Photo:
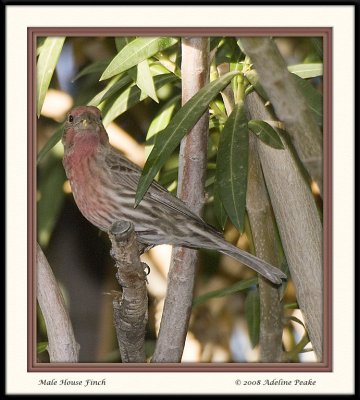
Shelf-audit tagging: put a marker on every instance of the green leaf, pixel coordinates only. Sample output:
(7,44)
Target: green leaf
(39,43)
(297,320)
(182,122)
(218,109)
(114,85)
(291,306)
(117,106)
(252,312)
(317,42)
(141,74)
(121,42)
(232,165)
(95,68)
(158,69)
(238,83)
(49,55)
(237,287)
(307,70)
(51,197)
(169,65)
(168,177)
(314,99)
(161,121)
(136,51)
(50,143)
(41,347)
(228,51)
(266,133)
(129,97)
(210,181)
(215,42)
(253,78)
(219,208)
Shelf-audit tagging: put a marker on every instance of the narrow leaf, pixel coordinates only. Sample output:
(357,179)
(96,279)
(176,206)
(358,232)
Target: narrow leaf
(318,45)
(252,312)
(46,64)
(215,42)
(266,133)
(291,306)
(50,143)
(95,68)
(161,121)
(307,70)
(39,44)
(228,51)
(114,85)
(126,99)
(219,209)
(297,320)
(237,287)
(253,78)
(141,74)
(158,69)
(136,51)
(168,64)
(121,42)
(314,99)
(182,122)
(232,165)
(129,97)
(168,177)
(41,347)
(49,206)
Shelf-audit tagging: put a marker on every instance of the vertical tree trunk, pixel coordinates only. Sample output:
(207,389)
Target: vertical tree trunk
(192,169)
(289,104)
(264,236)
(299,225)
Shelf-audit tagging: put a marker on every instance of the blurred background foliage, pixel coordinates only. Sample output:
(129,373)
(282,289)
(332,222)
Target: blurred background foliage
(137,103)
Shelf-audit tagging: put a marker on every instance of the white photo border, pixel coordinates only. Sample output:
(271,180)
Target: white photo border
(18,20)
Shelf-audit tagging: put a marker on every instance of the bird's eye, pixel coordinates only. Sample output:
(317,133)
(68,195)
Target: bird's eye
(71,118)
(100,117)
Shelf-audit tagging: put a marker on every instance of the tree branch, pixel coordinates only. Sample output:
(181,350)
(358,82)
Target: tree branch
(263,232)
(262,227)
(289,104)
(299,226)
(62,344)
(131,310)
(192,169)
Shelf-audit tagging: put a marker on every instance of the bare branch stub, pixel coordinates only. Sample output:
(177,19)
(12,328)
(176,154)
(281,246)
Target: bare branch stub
(131,307)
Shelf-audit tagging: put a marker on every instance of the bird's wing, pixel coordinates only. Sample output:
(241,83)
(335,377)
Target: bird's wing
(130,174)
(128,171)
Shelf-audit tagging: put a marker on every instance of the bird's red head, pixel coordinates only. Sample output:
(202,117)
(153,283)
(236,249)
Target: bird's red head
(83,126)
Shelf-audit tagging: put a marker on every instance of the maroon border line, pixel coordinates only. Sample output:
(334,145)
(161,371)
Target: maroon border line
(326,365)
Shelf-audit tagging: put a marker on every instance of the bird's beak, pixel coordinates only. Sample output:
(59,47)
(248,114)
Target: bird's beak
(85,123)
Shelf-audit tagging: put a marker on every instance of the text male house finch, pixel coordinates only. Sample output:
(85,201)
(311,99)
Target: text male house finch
(104,184)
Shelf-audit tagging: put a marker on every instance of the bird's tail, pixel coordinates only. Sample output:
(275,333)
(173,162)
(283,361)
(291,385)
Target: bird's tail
(265,269)
(211,239)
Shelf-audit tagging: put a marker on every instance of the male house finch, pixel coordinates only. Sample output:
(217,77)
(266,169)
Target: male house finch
(104,184)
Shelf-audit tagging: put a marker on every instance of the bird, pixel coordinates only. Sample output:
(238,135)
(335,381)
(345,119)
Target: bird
(104,183)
